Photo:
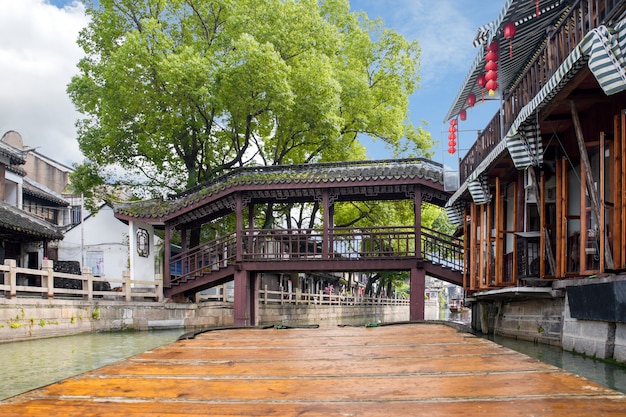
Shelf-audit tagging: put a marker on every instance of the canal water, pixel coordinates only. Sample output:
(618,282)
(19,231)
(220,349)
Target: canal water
(30,364)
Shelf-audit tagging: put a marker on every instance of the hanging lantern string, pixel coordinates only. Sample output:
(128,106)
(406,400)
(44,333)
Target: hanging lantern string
(538,12)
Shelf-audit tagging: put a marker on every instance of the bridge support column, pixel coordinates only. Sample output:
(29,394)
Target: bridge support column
(418,287)
(246,300)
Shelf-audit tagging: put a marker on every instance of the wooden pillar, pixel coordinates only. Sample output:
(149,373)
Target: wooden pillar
(245,300)
(325,224)
(239,228)
(167,256)
(251,209)
(499,221)
(591,191)
(473,261)
(418,286)
(417,207)
(616,193)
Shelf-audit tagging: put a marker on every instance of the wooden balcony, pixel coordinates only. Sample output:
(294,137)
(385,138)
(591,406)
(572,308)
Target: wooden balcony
(558,43)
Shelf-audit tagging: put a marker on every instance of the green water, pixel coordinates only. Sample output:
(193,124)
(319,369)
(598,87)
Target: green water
(609,374)
(32,364)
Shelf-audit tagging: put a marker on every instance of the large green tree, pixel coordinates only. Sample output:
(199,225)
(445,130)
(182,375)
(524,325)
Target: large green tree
(176,92)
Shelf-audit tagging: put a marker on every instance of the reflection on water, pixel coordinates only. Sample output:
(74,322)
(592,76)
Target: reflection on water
(432,311)
(31,364)
(608,374)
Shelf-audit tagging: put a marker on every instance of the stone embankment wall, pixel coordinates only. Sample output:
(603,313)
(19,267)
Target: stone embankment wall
(549,320)
(22,319)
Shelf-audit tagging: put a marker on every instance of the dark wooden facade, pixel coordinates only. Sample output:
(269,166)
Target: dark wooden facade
(250,249)
(554,209)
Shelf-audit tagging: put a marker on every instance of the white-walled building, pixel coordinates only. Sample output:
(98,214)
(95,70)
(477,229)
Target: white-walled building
(99,242)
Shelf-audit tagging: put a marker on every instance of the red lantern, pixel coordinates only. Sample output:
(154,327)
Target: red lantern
(481,83)
(452,129)
(453,122)
(491,56)
(491,76)
(451,150)
(509,33)
(452,143)
(463,115)
(451,136)
(471,99)
(481,80)
(491,66)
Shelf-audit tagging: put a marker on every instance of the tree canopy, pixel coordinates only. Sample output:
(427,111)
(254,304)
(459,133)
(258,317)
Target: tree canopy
(176,92)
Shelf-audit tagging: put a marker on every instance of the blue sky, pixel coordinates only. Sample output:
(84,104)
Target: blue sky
(38,57)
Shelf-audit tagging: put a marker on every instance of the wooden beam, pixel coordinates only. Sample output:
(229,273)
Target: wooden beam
(544,237)
(472,246)
(616,192)
(499,227)
(623,181)
(604,243)
(591,191)
(481,247)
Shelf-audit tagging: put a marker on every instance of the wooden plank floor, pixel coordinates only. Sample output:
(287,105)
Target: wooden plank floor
(400,370)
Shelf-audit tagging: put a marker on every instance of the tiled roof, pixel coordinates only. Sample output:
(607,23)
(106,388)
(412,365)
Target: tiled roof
(18,221)
(35,189)
(16,156)
(323,173)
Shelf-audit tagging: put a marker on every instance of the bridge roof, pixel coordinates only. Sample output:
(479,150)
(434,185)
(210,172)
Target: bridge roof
(351,181)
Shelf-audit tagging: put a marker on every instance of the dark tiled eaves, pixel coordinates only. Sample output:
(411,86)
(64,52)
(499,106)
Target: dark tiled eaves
(15,156)
(326,174)
(35,189)
(21,222)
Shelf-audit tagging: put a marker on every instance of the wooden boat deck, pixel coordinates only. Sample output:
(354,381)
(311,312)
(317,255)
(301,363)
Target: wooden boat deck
(409,369)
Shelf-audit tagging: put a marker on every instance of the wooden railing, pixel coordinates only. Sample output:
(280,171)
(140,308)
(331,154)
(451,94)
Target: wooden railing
(46,283)
(584,16)
(352,244)
(298,297)
(209,256)
(306,298)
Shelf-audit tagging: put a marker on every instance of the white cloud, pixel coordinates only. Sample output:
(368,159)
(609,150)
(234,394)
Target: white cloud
(444,31)
(38,57)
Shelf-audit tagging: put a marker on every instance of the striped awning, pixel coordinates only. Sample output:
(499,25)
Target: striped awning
(456,213)
(476,182)
(479,189)
(606,60)
(531,34)
(601,50)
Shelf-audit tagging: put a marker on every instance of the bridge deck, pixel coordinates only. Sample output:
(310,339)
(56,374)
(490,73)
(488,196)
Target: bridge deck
(410,369)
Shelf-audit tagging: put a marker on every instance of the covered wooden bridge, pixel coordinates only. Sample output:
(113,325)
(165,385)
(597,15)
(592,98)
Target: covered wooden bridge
(250,249)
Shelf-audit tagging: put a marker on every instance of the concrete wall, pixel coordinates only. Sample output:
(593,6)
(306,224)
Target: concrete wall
(331,315)
(22,319)
(548,320)
(538,320)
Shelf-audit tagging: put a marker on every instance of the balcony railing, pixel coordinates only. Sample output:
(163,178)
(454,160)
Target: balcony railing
(347,244)
(584,16)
